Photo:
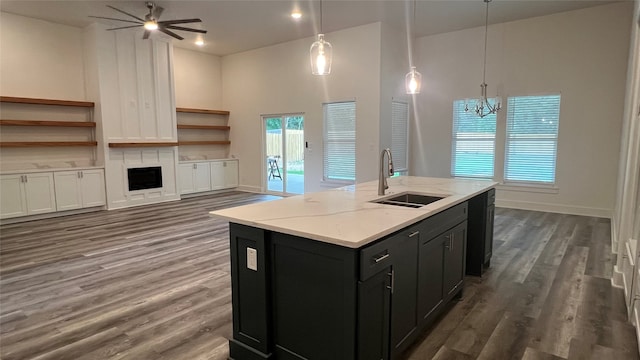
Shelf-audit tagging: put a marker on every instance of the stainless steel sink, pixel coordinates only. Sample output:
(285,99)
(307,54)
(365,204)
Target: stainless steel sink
(409,200)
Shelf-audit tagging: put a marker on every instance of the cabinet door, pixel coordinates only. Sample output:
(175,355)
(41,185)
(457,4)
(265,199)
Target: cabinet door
(92,187)
(40,193)
(202,177)
(185,172)
(231,174)
(430,267)
(12,197)
(374,297)
(217,175)
(488,236)
(404,289)
(454,258)
(67,190)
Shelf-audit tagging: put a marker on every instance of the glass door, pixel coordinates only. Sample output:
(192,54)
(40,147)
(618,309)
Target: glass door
(284,153)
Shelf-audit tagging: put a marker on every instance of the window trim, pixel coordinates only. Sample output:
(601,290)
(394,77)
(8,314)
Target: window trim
(530,185)
(454,141)
(325,179)
(404,170)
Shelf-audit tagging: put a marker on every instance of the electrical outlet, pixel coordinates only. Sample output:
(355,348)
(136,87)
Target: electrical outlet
(252,259)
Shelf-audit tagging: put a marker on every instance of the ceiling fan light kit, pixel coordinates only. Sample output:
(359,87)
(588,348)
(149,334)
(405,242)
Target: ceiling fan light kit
(151,22)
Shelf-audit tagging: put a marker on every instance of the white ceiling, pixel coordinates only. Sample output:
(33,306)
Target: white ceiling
(239,25)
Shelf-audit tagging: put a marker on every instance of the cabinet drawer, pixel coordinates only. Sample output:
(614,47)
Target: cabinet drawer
(441,222)
(384,253)
(491,197)
(376,257)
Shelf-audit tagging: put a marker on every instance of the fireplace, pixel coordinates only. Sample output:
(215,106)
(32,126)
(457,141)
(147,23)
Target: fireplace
(144,178)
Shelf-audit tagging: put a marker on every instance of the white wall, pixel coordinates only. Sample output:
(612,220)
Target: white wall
(394,65)
(40,59)
(277,79)
(581,54)
(198,79)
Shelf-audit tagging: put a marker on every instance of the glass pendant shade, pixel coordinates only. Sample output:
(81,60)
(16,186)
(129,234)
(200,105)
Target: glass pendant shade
(321,54)
(413,81)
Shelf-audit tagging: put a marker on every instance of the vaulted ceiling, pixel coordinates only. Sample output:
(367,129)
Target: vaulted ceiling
(239,25)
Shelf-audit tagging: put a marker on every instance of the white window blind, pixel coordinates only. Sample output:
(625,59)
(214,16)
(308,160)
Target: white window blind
(474,143)
(532,138)
(340,141)
(400,135)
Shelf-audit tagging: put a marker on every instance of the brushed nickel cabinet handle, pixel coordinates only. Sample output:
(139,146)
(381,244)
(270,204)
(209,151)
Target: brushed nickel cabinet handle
(378,259)
(392,275)
(414,233)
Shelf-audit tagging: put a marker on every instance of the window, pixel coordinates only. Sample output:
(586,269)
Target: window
(400,135)
(532,138)
(474,143)
(340,141)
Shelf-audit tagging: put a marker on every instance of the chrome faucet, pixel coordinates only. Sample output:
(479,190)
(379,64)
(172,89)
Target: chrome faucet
(382,180)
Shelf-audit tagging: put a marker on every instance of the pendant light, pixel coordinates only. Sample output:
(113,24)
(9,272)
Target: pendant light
(413,79)
(321,53)
(483,107)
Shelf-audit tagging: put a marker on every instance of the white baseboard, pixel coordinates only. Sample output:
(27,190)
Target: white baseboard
(247,188)
(127,204)
(554,208)
(50,215)
(616,278)
(614,236)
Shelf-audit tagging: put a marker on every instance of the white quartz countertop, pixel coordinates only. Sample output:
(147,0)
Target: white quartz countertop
(346,217)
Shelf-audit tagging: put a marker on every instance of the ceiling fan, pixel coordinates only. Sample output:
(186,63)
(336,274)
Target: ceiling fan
(151,22)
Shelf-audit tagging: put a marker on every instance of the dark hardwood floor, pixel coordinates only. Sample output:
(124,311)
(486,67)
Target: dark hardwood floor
(153,282)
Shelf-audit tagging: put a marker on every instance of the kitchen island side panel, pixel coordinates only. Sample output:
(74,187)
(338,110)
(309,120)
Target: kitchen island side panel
(314,299)
(250,297)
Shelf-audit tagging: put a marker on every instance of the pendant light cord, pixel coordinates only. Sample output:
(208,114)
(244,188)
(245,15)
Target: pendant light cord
(321,17)
(486,30)
(413,21)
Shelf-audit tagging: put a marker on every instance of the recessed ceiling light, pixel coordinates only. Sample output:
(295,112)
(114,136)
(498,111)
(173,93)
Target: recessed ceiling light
(296,15)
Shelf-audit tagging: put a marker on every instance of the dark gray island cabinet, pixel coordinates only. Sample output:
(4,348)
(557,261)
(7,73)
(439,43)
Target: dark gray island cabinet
(297,298)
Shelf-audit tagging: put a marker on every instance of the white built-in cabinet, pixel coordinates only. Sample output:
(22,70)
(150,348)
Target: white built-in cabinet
(230,173)
(36,193)
(79,189)
(208,175)
(26,194)
(195,177)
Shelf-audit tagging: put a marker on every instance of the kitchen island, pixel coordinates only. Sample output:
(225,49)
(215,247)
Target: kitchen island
(339,275)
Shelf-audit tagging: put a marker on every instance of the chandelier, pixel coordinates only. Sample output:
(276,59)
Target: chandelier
(482,106)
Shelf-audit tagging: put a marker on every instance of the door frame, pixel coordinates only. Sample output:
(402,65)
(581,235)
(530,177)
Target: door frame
(265,182)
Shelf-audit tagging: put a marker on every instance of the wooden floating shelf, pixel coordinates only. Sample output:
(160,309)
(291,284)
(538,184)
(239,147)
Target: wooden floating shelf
(47,143)
(202,111)
(225,142)
(142,144)
(47,123)
(203,127)
(33,101)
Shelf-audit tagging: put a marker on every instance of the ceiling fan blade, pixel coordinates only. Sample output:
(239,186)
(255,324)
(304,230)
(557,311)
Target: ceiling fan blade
(170,33)
(157,11)
(124,12)
(125,27)
(185,29)
(108,18)
(146,34)
(183,21)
